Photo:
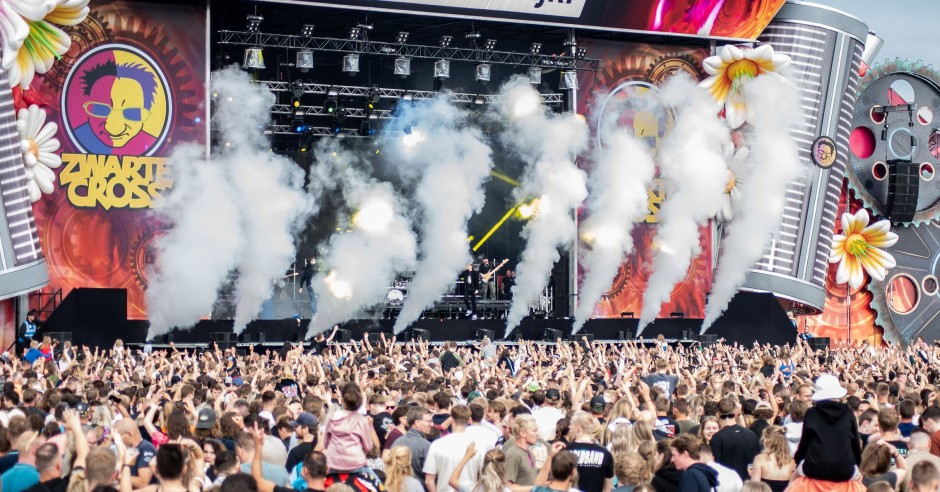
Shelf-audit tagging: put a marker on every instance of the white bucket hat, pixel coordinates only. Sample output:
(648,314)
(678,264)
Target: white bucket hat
(828,388)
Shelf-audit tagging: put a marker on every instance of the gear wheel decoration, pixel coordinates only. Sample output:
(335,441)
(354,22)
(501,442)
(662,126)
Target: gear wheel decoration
(93,31)
(884,129)
(908,301)
(668,65)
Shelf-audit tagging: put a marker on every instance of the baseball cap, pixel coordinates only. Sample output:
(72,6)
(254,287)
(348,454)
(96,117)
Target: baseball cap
(474,394)
(237,381)
(598,403)
(552,394)
(206,418)
(532,387)
(305,419)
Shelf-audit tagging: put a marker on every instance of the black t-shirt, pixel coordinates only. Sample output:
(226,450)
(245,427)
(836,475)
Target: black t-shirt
(288,387)
(383,424)
(60,484)
(735,447)
(438,419)
(146,452)
(317,347)
(298,454)
(595,465)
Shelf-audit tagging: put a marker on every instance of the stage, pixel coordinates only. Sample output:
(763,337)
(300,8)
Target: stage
(97,317)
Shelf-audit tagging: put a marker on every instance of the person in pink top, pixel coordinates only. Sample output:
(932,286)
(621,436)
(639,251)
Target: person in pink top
(348,435)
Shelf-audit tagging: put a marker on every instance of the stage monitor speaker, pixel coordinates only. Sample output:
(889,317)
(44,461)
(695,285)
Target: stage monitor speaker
(60,336)
(708,339)
(579,339)
(375,339)
(416,334)
(903,189)
(551,334)
(342,336)
(225,339)
(625,335)
(819,343)
(480,333)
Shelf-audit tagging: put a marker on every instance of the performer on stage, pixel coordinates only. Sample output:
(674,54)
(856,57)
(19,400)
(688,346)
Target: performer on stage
(471,285)
(489,280)
(508,282)
(310,270)
(26,332)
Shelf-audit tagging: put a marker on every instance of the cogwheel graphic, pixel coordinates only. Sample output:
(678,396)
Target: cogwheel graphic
(620,282)
(670,64)
(907,300)
(895,119)
(143,253)
(93,31)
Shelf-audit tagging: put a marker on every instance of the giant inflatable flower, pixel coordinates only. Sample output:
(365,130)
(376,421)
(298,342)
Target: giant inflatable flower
(39,147)
(857,249)
(736,167)
(31,41)
(731,68)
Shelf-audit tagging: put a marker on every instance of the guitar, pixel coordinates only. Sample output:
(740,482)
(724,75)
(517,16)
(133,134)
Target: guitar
(487,276)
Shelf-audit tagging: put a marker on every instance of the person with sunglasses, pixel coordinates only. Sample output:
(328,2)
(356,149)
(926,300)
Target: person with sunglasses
(380,409)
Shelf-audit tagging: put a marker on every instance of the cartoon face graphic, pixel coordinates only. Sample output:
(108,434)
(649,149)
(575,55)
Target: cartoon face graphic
(824,152)
(116,103)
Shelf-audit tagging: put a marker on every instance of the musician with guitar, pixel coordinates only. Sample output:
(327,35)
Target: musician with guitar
(488,277)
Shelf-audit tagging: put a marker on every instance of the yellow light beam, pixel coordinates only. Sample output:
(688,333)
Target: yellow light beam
(496,227)
(500,176)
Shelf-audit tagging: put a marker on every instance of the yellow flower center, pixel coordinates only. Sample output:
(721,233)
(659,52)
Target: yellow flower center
(732,182)
(743,68)
(856,245)
(34,148)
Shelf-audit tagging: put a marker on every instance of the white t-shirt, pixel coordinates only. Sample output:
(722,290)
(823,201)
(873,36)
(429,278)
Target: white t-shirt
(547,418)
(483,436)
(445,454)
(728,479)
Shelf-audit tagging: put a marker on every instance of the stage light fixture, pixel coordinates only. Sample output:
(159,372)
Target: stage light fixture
(535,48)
(351,63)
(298,125)
(581,53)
(307,30)
(568,80)
(446,40)
(408,97)
(442,69)
(490,45)
(535,75)
(331,104)
(254,59)
(297,89)
(403,66)
(479,100)
(372,98)
(355,33)
(304,60)
(253,22)
(483,72)
(472,35)
(402,37)
(365,128)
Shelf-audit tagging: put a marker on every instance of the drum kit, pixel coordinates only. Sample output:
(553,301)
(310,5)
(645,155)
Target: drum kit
(398,291)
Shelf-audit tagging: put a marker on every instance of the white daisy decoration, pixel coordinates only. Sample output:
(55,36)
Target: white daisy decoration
(732,198)
(39,147)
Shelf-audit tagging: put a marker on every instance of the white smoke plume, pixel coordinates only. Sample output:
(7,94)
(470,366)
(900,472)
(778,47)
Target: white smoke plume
(772,162)
(450,163)
(549,144)
(361,262)
(240,209)
(195,256)
(623,170)
(694,172)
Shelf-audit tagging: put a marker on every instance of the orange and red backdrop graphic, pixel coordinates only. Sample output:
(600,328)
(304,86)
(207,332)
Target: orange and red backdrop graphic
(632,71)
(132,86)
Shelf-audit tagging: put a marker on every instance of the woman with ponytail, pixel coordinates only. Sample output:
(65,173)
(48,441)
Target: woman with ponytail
(399,476)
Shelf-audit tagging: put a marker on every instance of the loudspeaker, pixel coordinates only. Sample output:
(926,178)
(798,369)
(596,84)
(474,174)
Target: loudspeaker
(375,338)
(819,343)
(225,339)
(903,188)
(551,334)
(560,292)
(708,339)
(625,335)
(342,336)
(416,334)
(480,333)
(578,338)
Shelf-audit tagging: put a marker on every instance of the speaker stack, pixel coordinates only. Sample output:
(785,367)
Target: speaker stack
(903,188)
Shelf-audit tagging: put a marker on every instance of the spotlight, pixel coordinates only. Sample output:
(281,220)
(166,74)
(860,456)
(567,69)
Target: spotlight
(374,216)
(254,59)
(402,66)
(483,72)
(479,100)
(446,40)
(298,125)
(581,53)
(414,137)
(338,118)
(569,80)
(402,37)
(365,128)
(254,22)
(297,89)
(307,31)
(490,45)
(535,48)
(535,75)
(527,103)
(372,98)
(442,69)
(351,63)
(408,97)
(331,104)
(472,35)
(355,33)
(304,60)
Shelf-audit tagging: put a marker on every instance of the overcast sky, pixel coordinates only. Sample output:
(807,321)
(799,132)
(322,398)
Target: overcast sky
(907,26)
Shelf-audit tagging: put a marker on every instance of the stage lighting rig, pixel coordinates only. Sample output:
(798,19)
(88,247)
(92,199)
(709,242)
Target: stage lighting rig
(355,33)
(446,40)
(253,22)
(483,72)
(402,37)
(304,60)
(351,63)
(402,66)
(581,53)
(535,48)
(442,69)
(307,31)
(490,45)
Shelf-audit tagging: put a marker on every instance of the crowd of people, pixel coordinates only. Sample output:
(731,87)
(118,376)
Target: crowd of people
(474,417)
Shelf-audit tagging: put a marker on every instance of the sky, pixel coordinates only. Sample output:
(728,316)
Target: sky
(907,26)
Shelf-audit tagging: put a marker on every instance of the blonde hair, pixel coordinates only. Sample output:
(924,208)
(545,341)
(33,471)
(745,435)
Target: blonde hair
(775,444)
(753,486)
(588,423)
(397,468)
(520,424)
(631,469)
(493,475)
(621,442)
